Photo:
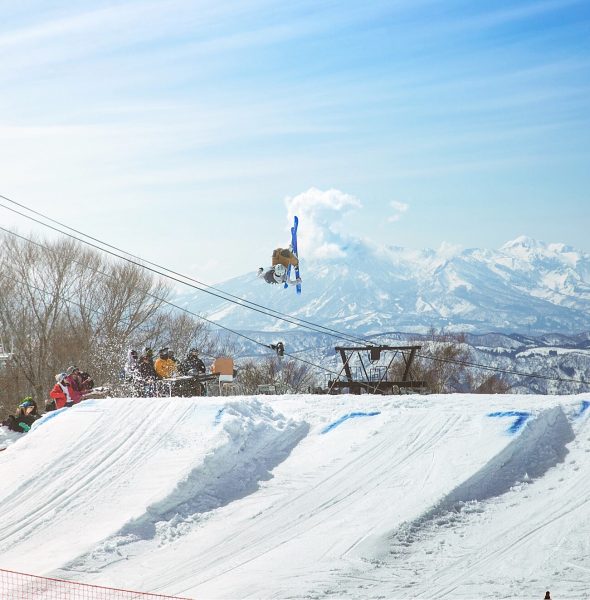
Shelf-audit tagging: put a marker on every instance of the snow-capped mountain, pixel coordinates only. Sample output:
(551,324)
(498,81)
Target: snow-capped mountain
(525,286)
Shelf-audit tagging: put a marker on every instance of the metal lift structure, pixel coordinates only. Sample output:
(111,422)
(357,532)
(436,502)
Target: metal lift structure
(368,370)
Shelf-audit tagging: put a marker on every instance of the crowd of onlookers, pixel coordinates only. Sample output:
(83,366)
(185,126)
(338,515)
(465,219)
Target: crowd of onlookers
(145,372)
(70,387)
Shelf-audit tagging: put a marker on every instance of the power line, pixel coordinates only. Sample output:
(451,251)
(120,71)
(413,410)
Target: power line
(317,328)
(153,270)
(181,308)
(262,309)
(171,304)
(466,363)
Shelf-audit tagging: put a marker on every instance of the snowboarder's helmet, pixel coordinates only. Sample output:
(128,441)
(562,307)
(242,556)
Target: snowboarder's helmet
(279,273)
(28,401)
(60,377)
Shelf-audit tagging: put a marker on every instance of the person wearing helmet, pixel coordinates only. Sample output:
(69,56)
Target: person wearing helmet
(146,374)
(61,392)
(163,365)
(277,273)
(192,364)
(26,415)
(74,384)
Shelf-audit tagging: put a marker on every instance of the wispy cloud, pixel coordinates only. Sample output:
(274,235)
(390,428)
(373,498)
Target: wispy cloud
(111,105)
(399,209)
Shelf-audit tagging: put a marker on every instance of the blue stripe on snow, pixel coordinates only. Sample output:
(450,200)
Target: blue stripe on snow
(218,416)
(521,418)
(48,416)
(583,408)
(351,415)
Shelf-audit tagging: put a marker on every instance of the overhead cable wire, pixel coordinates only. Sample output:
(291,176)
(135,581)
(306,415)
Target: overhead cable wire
(466,363)
(176,306)
(227,296)
(100,313)
(171,304)
(153,270)
(341,336)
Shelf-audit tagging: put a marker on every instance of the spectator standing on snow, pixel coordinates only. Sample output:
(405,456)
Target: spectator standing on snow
(147,374)
(131,365)
(192,365)
(132,374)
(164,366)
(86,382)
(60,392)
(74,384)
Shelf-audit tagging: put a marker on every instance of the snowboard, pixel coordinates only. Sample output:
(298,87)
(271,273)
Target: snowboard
(294,250)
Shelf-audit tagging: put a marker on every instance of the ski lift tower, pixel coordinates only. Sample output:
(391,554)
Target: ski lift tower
(367,369)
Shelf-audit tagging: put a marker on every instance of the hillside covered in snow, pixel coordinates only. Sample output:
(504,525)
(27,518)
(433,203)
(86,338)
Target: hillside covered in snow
(305,496)
(526,286)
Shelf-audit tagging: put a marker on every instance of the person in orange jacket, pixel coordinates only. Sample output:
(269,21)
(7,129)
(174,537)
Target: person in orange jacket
(164,365)
(60,392)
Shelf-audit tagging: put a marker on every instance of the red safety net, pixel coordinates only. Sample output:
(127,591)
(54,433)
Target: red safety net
(21,586)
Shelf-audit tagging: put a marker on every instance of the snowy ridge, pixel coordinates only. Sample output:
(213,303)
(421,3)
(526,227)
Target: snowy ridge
(306,496)
(525,286)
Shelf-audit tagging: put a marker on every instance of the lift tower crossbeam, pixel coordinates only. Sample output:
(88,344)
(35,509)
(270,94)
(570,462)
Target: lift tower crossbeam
(375,380)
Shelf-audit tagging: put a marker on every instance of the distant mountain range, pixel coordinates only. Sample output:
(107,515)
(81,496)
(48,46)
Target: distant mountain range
(525,286)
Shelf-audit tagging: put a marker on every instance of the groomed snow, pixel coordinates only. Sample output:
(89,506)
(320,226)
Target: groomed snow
(304,496)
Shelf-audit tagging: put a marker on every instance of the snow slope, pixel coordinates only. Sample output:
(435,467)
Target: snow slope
(306,496)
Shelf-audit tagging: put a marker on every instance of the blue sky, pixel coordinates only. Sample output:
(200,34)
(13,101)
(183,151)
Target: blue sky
(177,129)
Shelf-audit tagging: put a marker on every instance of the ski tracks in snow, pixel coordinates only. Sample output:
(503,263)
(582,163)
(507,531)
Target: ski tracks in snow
(452,552)
(295,507)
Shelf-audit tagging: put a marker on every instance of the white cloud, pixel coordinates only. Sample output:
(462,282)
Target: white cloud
(447,250)
(399,208)
(320,213)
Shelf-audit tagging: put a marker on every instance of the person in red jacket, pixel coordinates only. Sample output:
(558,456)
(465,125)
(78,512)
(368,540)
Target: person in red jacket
(60,392)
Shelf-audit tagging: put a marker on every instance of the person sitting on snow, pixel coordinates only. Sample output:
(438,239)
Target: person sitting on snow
(26,415)
(277,273)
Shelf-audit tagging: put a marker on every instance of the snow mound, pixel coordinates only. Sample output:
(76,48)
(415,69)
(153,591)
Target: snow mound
(180,458)
(540,446)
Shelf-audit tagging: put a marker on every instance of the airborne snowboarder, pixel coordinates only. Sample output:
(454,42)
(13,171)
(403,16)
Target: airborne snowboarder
(283,259)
